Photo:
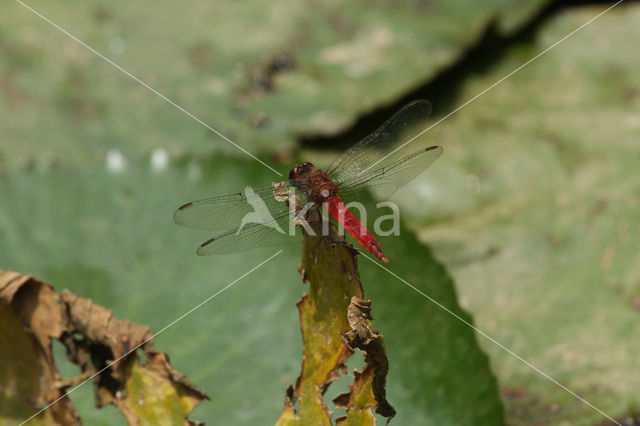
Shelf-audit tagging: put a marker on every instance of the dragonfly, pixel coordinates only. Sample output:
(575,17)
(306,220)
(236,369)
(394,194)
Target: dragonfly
(375,167)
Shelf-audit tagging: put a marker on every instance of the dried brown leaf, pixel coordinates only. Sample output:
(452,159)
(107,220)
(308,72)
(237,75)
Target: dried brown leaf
(30,317)
(374,375)
(32,314)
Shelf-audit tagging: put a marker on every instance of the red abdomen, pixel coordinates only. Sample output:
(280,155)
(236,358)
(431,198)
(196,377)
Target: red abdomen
(343,215)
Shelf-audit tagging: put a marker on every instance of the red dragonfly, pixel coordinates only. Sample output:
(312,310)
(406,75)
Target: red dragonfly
(377,165)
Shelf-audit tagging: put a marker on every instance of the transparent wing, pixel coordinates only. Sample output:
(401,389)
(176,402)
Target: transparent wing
(227,212)
(382,182)
(272,233)
(378,145)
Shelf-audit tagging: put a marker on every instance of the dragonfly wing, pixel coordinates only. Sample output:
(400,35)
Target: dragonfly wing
(380,144)
(251,235)
(221,214)
(382,182)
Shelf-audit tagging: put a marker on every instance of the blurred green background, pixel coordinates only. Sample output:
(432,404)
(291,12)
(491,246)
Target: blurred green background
(528,222)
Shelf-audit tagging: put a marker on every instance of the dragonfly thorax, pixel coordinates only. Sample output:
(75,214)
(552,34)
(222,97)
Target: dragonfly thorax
(316,184)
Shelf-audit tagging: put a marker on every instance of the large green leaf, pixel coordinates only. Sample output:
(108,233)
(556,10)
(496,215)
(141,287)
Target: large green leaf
(109,236)
(534,208)
(64,104)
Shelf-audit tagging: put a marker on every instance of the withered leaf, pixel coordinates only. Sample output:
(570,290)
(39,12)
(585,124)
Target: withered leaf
(374,376)
(30,317)
(32,314)
(334,319)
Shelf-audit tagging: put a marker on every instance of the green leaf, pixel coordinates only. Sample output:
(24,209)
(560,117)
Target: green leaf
(153,398)
(334,321)
(533,207)
(259,78)
(243,346)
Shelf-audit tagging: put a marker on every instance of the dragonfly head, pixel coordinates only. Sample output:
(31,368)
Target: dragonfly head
(301,170)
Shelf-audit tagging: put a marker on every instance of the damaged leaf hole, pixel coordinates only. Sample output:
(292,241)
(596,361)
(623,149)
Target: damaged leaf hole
(335,322)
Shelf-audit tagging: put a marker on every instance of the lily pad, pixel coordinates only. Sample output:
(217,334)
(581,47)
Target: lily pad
(534,209)
(243,346)
(259,76)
